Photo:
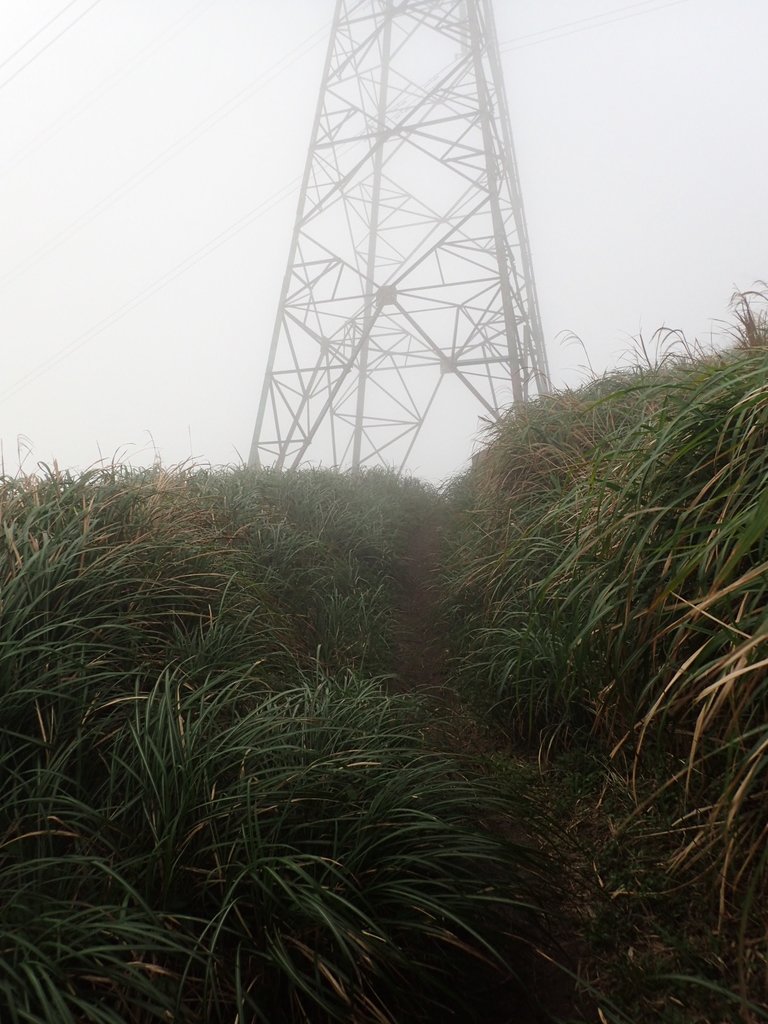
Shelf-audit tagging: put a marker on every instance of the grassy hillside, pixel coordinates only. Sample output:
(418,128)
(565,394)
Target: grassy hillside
(222,802)
(608,599)
(211,808)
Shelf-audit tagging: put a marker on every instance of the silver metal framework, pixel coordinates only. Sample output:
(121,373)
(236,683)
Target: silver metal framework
(410,258)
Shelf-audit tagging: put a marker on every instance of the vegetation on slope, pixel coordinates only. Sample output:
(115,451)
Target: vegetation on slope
(214,807)
(609,594)
(211,808)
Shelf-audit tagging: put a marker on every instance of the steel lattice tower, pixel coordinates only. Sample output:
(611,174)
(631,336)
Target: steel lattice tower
(410,257)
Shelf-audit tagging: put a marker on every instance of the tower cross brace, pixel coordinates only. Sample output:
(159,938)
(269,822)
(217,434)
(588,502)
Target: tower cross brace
(409,262)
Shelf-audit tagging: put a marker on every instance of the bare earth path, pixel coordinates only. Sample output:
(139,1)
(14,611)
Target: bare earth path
(422,666)
(421,656)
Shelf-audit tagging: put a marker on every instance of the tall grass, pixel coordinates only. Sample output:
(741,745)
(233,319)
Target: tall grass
(205,817)
(610,582)
(204,851)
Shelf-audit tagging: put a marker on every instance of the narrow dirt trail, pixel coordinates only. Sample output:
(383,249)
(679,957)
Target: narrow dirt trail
(421,658)
(422,655)
(422,667)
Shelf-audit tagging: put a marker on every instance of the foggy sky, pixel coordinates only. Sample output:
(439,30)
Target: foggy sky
(152,126)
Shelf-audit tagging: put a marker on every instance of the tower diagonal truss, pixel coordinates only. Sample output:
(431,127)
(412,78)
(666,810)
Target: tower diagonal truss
(409,261)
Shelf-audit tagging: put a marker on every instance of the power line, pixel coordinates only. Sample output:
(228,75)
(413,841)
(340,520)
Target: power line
(118,74)
(245,94)
(239,225)
(148,169)
(39,32)
(158,285)
(49,44)
(581,21)
(589,24)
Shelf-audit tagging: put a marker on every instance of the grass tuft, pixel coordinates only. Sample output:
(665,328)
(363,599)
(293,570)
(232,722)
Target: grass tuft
(609,581)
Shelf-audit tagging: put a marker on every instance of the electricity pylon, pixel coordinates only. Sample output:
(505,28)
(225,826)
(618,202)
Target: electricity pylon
(410,259)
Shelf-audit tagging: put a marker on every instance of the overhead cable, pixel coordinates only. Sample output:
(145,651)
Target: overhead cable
(162,158)
(596,21)
(146,293)
(118,74)
(36,35)
(49,44)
